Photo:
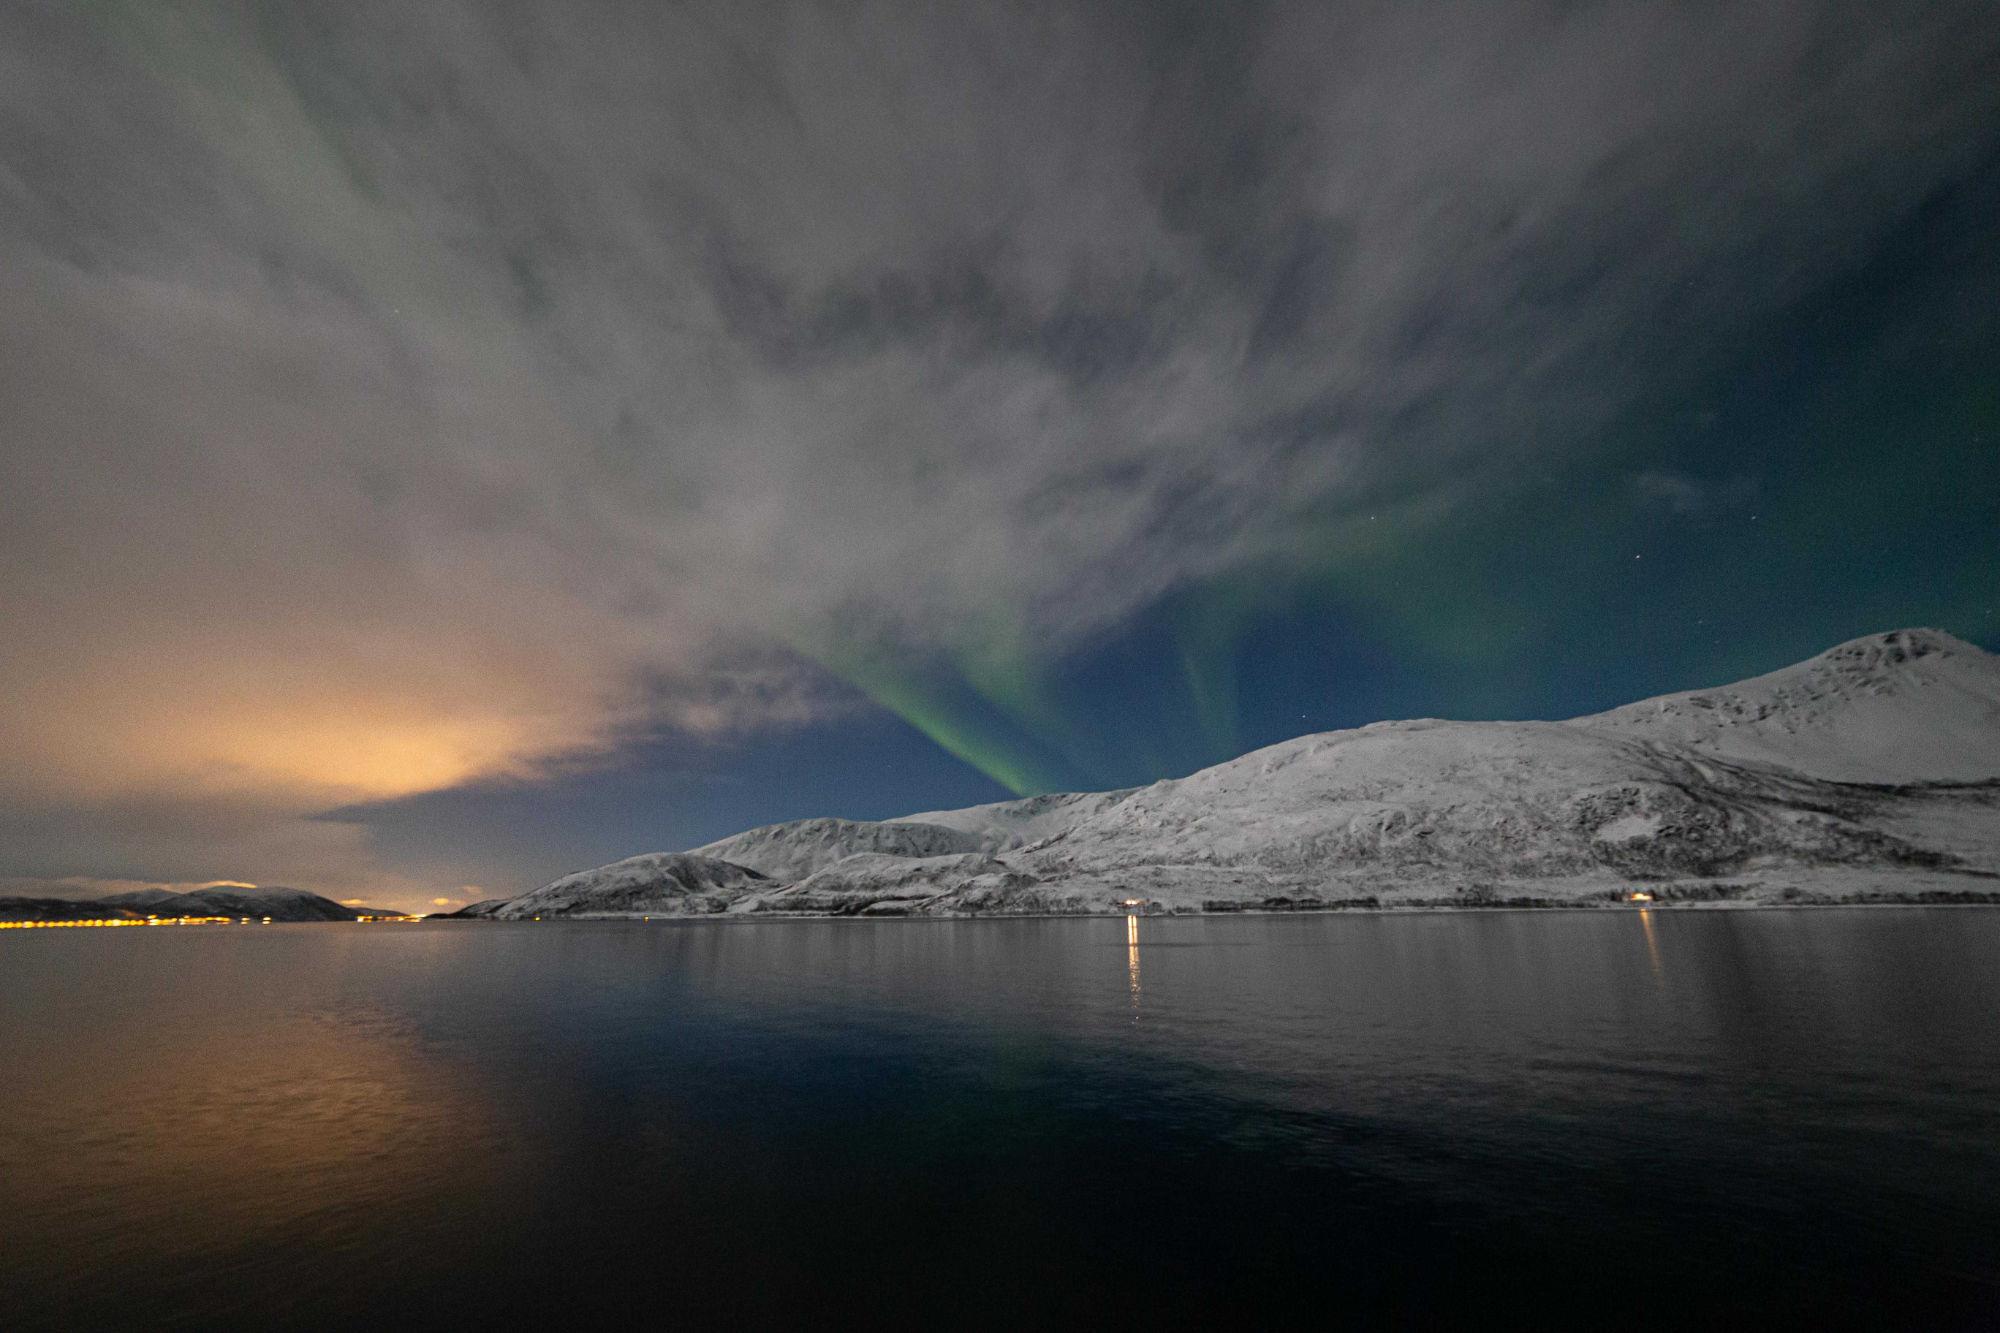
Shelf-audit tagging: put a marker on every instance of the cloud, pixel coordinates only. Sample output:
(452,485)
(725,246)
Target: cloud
(402,395)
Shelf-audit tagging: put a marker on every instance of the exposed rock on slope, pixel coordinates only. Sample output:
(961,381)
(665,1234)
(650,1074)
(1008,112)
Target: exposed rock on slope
(876,885)
(1873,769)
(792,851)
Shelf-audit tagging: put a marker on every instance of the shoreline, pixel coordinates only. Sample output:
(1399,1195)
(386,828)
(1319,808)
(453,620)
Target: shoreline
(1926,899)
(1375,909)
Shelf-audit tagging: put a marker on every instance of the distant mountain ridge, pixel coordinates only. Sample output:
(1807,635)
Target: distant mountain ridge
(279,904)
(1870,772)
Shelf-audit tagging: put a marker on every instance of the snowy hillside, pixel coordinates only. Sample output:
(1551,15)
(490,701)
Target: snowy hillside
(1005,825)
(659,882)
(1870,771)
(1913,706)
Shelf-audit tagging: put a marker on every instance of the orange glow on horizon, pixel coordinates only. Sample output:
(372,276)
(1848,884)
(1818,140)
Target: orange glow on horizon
(336,748)
(377,756)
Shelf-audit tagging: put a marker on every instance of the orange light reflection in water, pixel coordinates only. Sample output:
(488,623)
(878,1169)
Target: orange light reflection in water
(1132,955)
(1652,940)
(298,1130)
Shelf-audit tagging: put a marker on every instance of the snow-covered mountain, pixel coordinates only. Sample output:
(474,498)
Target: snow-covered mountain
(1870,771)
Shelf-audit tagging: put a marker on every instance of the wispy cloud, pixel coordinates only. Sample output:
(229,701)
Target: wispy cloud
(1684,494)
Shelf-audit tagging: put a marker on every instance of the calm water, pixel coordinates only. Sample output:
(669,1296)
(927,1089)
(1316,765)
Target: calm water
(1581,1118)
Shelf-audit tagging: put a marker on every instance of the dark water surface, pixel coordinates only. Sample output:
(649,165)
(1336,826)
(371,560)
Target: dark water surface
(1565,1118)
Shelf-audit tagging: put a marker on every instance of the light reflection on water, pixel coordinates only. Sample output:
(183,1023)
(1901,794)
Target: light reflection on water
(1652,939)
(1780,1112)
(1132,957)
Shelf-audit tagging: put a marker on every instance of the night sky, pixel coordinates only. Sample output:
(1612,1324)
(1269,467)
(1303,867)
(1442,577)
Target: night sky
(446,445)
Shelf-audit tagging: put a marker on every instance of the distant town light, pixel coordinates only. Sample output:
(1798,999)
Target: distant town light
(116,921)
